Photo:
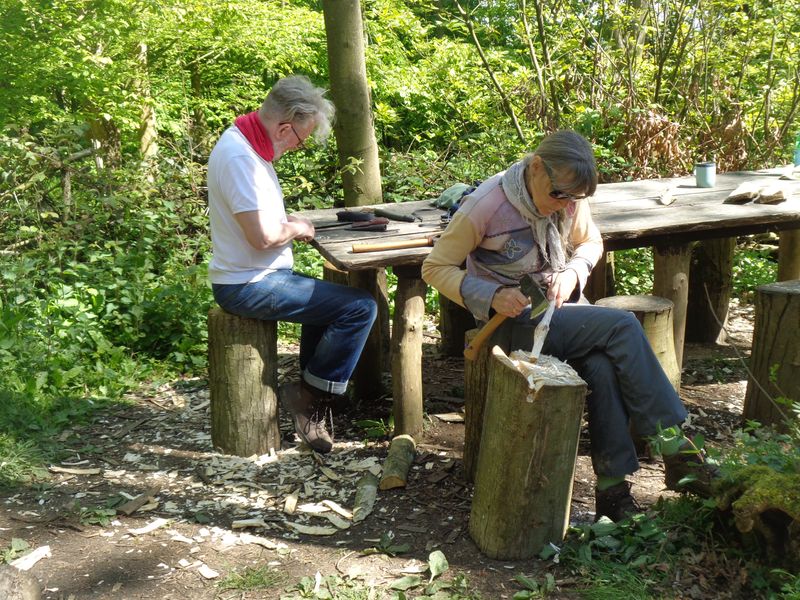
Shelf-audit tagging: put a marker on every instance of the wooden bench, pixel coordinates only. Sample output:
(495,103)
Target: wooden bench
(243,381)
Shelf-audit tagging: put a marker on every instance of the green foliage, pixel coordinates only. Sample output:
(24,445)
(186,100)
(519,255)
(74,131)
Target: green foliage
(752,267)
(633,271)
(754,445)
(17,548)
(96,515)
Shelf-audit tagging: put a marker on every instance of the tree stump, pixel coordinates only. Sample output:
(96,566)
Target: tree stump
(476,378)
(243,381)
(18,585)
(710,285)
(523,483)
(655,315)
(775,348)
(454,322)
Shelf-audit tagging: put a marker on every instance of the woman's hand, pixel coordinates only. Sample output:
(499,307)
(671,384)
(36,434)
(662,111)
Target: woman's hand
(562,286)
(510,302)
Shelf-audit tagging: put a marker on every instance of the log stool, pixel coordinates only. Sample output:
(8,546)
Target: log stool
(655,315)
(243,381)
(774,344)
(526,463)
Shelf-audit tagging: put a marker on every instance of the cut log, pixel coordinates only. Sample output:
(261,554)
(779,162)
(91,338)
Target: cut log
(710,270)
(243,382)
(366,493)
(523,483)
(454,322)
(655,315)
(398,462)
(476,378)
(775,357)
(18,585)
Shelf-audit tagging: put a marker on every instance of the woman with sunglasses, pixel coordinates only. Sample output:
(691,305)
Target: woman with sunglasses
(534,219)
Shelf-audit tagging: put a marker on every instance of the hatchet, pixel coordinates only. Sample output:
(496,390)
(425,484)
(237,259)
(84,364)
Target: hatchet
(539,304)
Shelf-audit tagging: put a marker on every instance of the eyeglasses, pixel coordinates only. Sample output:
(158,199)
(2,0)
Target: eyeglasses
(301,143)
(557,194)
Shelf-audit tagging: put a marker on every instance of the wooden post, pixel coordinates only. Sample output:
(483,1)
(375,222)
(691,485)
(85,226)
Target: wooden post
(655,315)
(409,312)
(476,378)
(243,381)
(789,255)
(523,484)
(710,269)
(454,322)
(774,345)
(671,281)
(374,360)
(601,279)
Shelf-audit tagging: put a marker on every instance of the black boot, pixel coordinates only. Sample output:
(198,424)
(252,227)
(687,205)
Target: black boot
(689,471)
(310,412)
(615,502)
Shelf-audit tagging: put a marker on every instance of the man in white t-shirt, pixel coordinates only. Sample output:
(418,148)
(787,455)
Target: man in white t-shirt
(251,269)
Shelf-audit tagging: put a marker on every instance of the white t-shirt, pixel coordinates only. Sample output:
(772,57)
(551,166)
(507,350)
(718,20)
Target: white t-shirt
(239,180)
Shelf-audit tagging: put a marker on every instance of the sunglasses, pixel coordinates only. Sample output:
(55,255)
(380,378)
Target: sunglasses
(557,194)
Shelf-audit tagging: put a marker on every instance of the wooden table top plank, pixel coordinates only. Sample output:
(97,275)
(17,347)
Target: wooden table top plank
(628,215)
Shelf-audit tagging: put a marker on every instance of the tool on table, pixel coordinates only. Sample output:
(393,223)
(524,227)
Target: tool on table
(539,304)
(398,245)
(376,224)
(540,333)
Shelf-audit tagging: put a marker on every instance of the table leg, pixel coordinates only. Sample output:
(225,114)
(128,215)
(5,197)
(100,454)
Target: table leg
(409,312)
(671,280)
(367,379)
(789,255)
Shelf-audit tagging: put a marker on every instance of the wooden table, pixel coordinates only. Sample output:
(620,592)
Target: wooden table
(628,214)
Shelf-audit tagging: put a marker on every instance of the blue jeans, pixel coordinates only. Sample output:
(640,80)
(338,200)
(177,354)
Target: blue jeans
(336,320)
(628,389)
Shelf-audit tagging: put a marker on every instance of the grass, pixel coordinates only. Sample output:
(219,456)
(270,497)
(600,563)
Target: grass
(253,578)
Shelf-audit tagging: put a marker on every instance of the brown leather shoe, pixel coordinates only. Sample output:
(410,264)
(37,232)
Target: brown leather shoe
(615,502)
(309,412)
(690,471)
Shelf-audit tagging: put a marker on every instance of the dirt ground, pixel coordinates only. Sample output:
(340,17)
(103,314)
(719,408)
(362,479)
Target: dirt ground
(188,538)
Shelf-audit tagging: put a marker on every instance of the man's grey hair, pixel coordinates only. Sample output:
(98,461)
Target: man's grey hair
(296,100)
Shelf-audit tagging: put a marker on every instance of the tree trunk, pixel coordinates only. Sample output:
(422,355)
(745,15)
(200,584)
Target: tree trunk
(355,135)
(148,133)
(243,381)
(523,484)
(710,270)
(775,358)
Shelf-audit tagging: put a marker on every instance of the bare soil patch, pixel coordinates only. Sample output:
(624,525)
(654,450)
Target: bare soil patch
(162,443)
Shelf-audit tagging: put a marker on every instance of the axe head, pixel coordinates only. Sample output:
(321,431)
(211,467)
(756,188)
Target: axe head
(538,298)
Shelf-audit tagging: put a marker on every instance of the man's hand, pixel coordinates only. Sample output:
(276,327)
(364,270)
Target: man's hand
(306,228)
(562,286)
(510,302)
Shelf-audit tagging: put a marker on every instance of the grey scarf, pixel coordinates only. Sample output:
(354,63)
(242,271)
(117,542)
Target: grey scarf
(545,229)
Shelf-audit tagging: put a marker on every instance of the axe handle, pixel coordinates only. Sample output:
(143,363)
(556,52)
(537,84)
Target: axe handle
(471,351)
(399,245)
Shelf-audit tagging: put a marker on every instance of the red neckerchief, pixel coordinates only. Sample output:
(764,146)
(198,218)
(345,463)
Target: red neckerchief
(255,133)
